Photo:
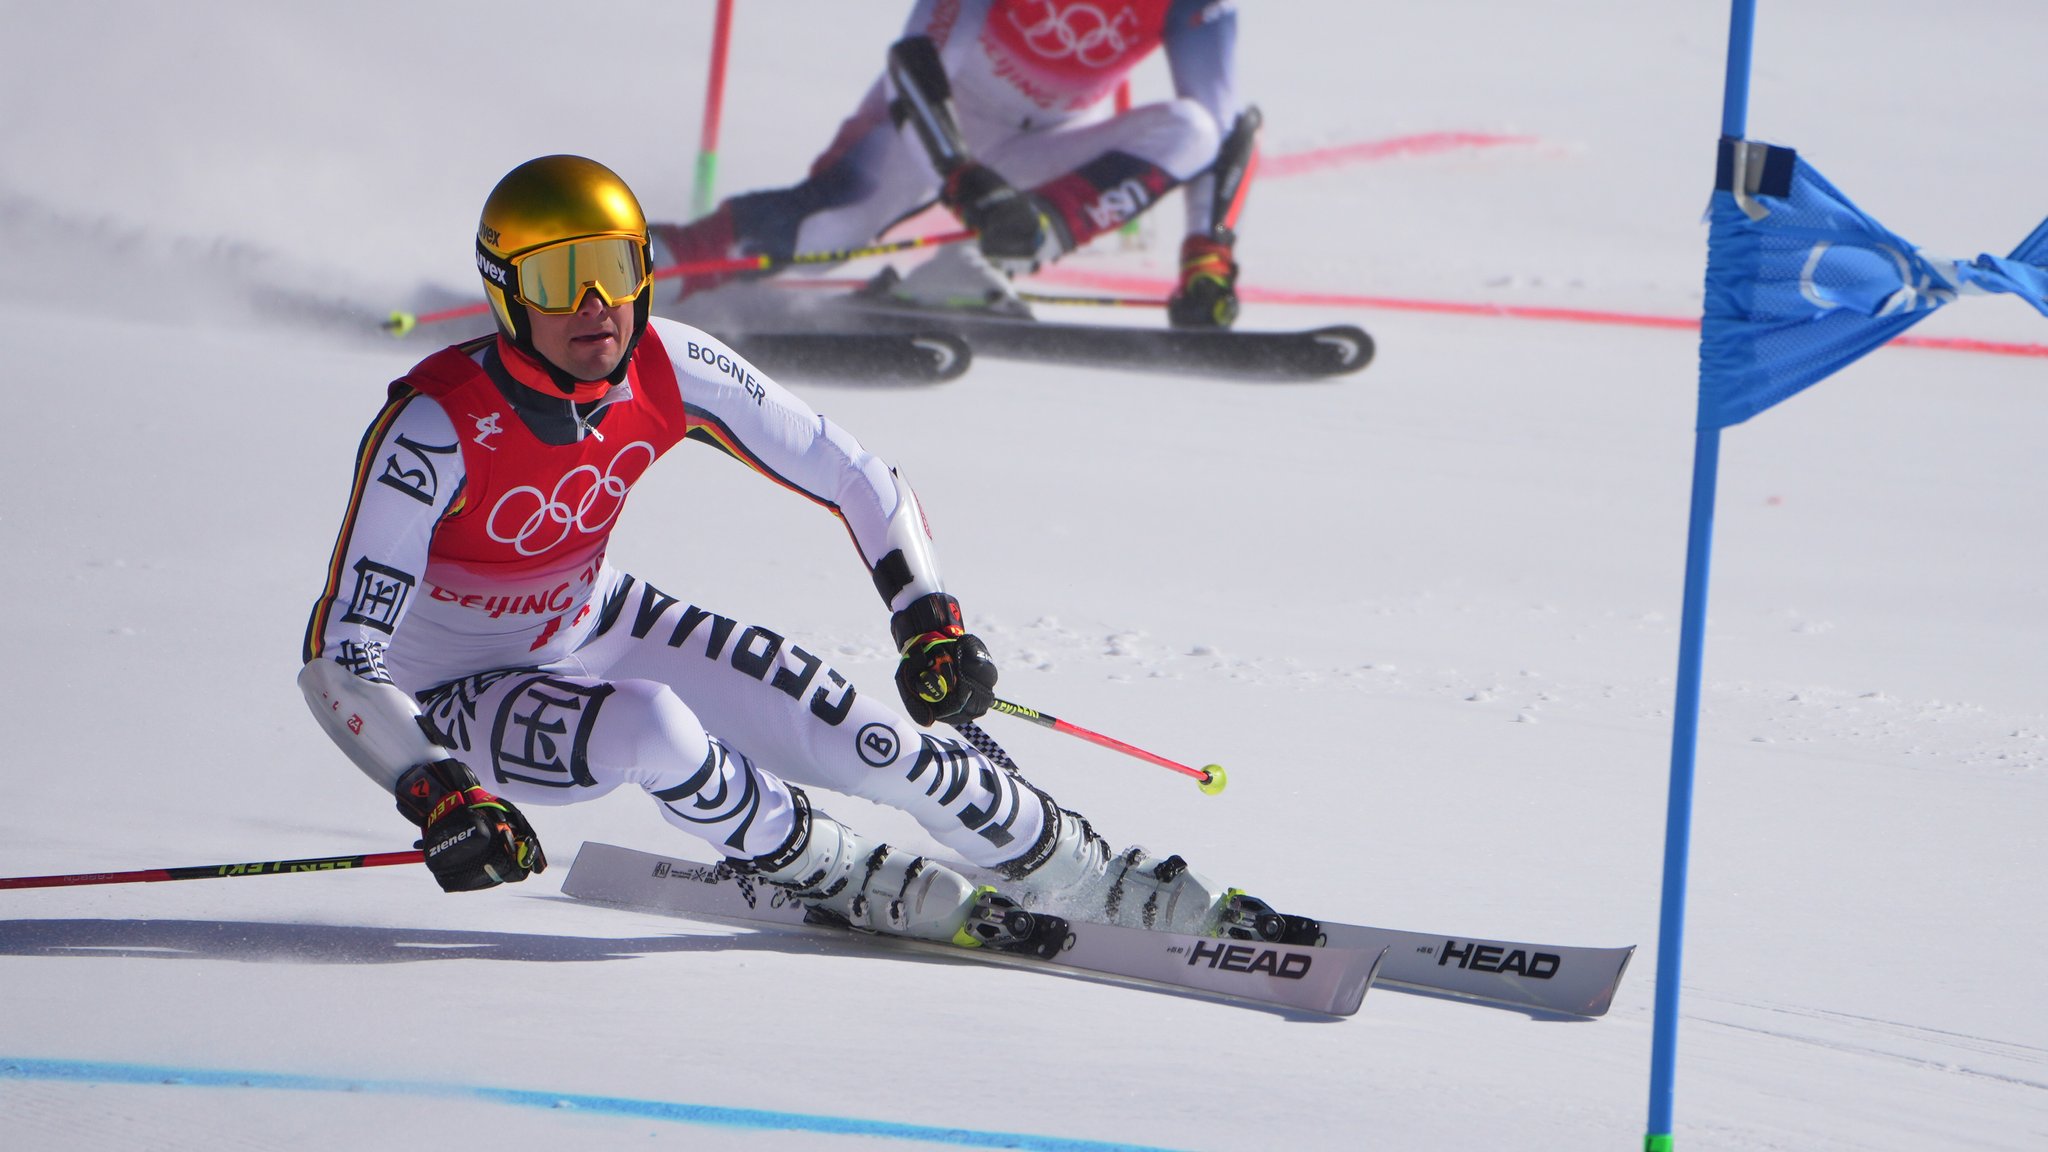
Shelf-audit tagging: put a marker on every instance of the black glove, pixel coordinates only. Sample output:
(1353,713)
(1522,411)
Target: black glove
(472,839)
(944,674)
(1016,231)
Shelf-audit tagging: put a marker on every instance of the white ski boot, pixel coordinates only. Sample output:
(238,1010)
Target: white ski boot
(1079,878)
(958,276)
(840,878)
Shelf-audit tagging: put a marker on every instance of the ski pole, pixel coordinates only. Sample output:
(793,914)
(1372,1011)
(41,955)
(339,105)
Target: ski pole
(1078,300)
(1093,301)
(1210,777)
(770,263)
(401,323)
(217,871)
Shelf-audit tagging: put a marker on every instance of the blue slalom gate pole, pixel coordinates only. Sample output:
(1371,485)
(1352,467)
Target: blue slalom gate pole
(1692,634)
(1735,92)
(1685,730)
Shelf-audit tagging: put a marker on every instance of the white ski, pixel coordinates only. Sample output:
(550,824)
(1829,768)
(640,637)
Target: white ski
(1573,981)
(1331,980)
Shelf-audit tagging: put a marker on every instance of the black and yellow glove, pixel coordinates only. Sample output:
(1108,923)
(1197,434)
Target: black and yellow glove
(472,839)
(1017,231)
(943,672)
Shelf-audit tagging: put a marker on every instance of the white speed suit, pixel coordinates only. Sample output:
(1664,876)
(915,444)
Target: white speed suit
(469,609)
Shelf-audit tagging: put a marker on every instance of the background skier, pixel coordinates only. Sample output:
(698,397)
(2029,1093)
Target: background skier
(1002,111)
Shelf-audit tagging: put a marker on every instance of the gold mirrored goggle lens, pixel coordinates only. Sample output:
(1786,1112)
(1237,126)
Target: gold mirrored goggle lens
(555,279)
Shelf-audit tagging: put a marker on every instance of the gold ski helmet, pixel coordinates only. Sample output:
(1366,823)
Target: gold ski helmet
(554,230)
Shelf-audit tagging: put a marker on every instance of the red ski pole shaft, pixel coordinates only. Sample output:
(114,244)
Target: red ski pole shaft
(1210,777)
(400,323)
(217,871)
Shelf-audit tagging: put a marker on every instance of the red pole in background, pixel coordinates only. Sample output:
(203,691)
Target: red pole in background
(714,112)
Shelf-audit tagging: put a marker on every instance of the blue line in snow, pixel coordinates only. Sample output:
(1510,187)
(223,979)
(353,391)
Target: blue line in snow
(96,1072)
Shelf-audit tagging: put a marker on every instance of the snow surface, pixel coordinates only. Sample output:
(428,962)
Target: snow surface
(1426,615)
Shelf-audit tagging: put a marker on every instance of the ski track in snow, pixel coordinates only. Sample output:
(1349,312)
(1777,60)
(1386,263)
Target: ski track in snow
(218,276)
(1933,735)
(1931,1049)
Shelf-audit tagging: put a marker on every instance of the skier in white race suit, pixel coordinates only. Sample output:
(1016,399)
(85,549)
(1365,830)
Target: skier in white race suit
(1002,110)
(473,652)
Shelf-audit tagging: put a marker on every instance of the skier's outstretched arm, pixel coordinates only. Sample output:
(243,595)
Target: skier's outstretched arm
(945,673)
(408,473)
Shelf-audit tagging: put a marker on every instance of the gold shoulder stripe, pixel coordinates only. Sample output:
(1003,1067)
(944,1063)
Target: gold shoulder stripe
(708,429)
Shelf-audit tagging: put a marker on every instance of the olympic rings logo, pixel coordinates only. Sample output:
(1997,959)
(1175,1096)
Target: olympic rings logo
(1916,291)
(584,500)
(1078,30)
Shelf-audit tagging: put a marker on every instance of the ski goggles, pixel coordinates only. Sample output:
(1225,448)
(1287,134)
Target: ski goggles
(555,279)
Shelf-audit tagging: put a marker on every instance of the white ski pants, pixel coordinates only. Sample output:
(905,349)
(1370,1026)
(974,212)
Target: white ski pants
(715,718)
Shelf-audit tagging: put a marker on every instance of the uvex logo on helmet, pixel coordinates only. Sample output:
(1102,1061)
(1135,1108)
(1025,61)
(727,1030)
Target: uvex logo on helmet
(495,272)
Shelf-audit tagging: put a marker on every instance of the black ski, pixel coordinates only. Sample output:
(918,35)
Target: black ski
(920,355)
(1302,354)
